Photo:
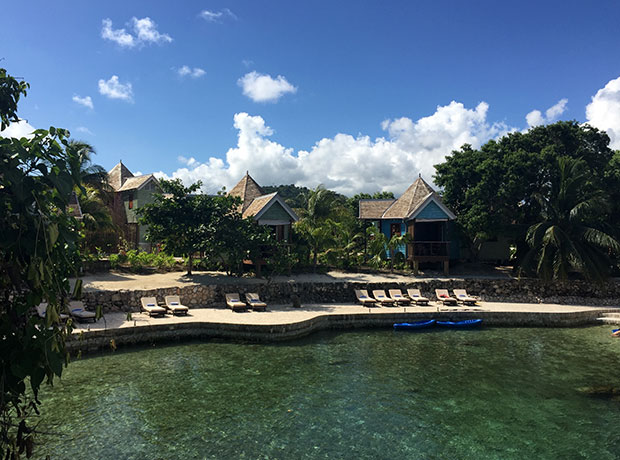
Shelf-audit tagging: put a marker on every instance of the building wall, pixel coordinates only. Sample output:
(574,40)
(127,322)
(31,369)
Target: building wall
(141,198)
(432,211)
(385,227)
(276,212)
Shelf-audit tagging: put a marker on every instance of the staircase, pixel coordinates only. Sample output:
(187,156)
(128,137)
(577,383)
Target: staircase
(610,318)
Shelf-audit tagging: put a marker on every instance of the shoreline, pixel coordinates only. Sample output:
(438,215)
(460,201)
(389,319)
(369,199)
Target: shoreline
(283,323)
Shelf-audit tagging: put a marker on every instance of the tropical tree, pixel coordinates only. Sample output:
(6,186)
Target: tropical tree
(382,248)
(91,174)
(491,189)
(99,228)
(569,236)
(38,254)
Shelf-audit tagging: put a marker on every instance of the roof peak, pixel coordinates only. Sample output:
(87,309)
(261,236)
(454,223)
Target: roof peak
(247,189)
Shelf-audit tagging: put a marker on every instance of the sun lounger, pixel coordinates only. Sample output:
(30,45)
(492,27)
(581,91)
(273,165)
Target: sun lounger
(462,296)
(149,305)
(42,311)
(77,311)
(398,297)
(254,302)
(379,294)
(234,302)
(364,298)
(173,304)
(416,296)
(443,296)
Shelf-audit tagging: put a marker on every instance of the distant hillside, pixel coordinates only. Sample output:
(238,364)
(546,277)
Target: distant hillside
(293,195)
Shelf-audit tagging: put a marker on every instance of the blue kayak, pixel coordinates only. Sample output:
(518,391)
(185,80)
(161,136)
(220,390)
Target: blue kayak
(614,330)
(465,323)
(416,325)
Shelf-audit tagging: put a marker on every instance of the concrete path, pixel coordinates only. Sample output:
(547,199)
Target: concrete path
(282,315)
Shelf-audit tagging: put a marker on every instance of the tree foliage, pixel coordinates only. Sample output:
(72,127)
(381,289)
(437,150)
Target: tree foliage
(570,236)
(491,189)
(38,254)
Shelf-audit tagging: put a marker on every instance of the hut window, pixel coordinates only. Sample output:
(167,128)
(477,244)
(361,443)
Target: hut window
(131,201)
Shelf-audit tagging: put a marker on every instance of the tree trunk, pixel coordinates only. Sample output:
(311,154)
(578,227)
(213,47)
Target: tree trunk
(189,264)
(315,254)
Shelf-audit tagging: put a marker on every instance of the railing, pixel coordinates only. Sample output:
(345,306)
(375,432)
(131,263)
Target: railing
(422,249)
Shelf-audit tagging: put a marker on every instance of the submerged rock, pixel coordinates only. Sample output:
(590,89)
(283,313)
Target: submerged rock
(602,391)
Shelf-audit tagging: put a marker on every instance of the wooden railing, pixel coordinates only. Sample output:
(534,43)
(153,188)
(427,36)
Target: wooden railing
(431,249)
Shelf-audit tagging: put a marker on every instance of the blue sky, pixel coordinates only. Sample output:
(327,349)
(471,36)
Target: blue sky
(360,96)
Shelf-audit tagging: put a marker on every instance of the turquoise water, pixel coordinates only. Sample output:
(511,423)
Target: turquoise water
(482,394)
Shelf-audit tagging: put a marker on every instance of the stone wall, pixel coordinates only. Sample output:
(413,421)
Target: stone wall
(157,333)
(493,290)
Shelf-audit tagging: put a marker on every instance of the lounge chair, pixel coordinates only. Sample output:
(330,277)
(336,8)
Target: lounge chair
(173,303)
(443,296)
(379,294)
(77,311)
(398,297)
(416,296)
(234,302)
(364,298)
(149,305)
(462,296)
(42,311)
(254,302)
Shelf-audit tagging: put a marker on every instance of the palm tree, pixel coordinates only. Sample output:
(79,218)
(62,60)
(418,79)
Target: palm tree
(90,174)
(381,247)
(99,228)
(570,235)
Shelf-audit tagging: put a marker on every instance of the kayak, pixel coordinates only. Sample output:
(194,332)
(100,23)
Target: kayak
(465,323)
(416,325)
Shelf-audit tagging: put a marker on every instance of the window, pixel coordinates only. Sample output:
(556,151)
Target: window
(394,230)
(130,197)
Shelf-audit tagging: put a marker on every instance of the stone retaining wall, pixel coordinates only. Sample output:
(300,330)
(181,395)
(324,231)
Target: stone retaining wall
(492,290)
(157,333)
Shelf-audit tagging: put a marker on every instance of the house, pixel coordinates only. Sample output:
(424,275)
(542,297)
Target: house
(131,193)
(266,209)
(419,212)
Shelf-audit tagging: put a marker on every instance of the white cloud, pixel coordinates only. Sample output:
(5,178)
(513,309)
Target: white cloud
(604,111)
(18,130)
(114,89)
(264,88)
(145,32)
(217,16)
(186,71)
(84,130)
(346,163)
(536,118)
(85,101)
(118,36)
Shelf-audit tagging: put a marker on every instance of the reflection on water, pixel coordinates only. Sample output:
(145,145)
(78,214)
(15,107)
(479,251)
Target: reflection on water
(489,393)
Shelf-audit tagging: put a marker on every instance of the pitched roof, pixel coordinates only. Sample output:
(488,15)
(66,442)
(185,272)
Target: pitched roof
(258,204)
(374,209)
(247,189)
(118,175)
(415,198)
(135,182)
(74,209)
(408,203)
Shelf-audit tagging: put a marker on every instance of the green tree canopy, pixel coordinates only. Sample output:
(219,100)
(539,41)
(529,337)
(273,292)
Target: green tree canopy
(38,254)
(491,189)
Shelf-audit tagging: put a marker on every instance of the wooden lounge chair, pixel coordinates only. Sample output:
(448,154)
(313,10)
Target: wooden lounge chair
(379,294)
(443,296)
(42,312)
(173,303)
(234,302)
(77,311)
(149,305)
(254,302)
(416,296)
(398,297)
(462,296)
(364,298)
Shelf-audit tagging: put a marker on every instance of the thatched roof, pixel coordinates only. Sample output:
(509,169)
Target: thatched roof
(408,203)
(118,175)
(133,183)
(247,189)
(374,209)
(258,204)
(415,198)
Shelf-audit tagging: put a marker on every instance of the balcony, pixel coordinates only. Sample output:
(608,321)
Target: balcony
(428,251)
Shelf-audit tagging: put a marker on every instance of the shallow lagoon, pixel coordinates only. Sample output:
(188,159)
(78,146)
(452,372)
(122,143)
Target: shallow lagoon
(508,393)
